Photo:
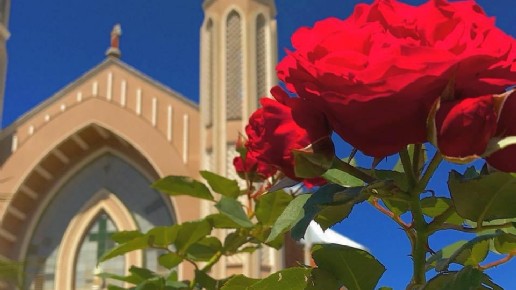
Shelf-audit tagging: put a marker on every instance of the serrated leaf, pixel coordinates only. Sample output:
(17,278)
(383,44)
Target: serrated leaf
(234,241)
(435,206)
(204,249)
(233,210)
(163,236)
(328,195)
(270,206)
(222,185)
(221,221)
(138,243)
(205,280)
(340,177)
(125,236)
(505,243)
(290,216)
(292,278)
(467,278)
(189,233)
(314,160)
(347,265)
(485,198)
(183,185)
(333,214)
(170,260)
(239,282)
(470,253)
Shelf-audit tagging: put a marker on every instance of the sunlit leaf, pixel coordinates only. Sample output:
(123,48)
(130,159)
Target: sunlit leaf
(182,185)
(270,206)
(290,216)
(233,210)
(353,268)
(484,198)
(222,185)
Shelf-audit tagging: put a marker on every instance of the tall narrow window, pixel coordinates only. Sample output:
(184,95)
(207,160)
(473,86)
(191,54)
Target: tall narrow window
(209,72)
(234,59)
(261,57)
(95,244)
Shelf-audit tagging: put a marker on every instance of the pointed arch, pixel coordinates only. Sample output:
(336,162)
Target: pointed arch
(234,53)
(102,201)
(261,57)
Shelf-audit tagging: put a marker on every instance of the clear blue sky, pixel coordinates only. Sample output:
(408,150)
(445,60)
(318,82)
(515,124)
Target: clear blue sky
(54,42)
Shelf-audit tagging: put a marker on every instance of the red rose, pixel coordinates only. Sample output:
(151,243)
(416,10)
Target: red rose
(505,159)
(250,168)
(277,128)
(464,127)
(376,74)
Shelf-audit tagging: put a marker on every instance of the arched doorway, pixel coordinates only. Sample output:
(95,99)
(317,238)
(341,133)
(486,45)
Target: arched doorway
(105,194)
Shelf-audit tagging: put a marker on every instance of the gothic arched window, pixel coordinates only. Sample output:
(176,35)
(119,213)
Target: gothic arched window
(234,65)
(209,72)
(261,57)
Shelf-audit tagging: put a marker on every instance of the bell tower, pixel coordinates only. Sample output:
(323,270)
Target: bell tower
(4,35)
(238,52)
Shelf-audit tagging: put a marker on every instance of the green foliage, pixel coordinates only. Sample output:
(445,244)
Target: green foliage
(222,185)
(347,265)
(467,278)
(484,198)
(181,185)
(479,202)
(234,211)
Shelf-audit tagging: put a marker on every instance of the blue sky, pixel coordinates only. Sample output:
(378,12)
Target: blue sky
(54,42)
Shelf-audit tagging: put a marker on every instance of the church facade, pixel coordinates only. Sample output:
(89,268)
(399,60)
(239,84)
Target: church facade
(78,166)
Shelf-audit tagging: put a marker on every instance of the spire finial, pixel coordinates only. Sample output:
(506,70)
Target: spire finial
(114,49)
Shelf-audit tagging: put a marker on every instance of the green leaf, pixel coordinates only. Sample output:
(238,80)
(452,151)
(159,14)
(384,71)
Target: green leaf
(505,243)
(270,206)
(328,195)
(467,278)
(182,185)
(125,236)
(170,260)
(321,279)
(292,278)
(233,209)
(314,160)
(142,273)
(204,249)
(290,216)
(435,206)
(163,236)
(132,245)
(239,282)
(234,241)
(221,221)
(222,185)
(340,177)
(485,198)
(470,253)
(333,214)
(348,265)
(204,280)
(189,233)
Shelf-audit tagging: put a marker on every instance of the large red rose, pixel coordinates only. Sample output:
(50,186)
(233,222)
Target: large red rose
(377,74)
(505,159)
(281,126)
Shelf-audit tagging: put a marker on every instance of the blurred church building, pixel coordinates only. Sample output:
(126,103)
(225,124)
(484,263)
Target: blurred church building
(78,166)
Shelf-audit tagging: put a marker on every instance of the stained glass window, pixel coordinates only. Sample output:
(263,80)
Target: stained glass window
(95,244)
